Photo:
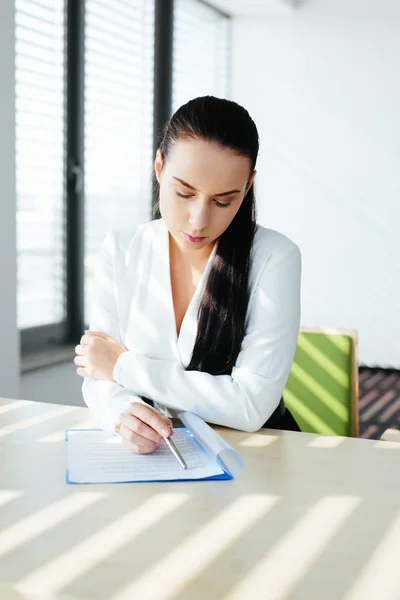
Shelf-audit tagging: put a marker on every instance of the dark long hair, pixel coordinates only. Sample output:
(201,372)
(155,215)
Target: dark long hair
(223,309)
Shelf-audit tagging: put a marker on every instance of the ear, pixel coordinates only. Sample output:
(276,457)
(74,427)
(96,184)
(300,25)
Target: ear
(251,181)
(158,164)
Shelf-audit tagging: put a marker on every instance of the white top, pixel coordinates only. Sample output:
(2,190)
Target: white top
(133,304)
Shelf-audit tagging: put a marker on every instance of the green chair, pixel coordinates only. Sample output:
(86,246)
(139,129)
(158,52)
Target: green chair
(322,388)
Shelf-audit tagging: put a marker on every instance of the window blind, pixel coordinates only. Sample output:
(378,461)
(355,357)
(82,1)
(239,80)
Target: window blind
(119,50)
(201,52)
(40,155)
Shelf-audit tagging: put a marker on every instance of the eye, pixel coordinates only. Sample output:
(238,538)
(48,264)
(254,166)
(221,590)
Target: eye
(221,204)
(183,195)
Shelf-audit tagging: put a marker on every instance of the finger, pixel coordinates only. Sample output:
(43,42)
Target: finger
(80,350)
(152,417)
(81,361)
(139,449)
(139,427)
(135,442)
(82,372)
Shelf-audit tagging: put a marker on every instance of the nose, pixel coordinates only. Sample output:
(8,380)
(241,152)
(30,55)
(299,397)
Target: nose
(199,217)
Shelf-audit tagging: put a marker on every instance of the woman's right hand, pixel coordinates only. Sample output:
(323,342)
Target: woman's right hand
(142,428)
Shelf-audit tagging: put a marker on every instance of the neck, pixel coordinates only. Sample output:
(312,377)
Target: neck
(194,258)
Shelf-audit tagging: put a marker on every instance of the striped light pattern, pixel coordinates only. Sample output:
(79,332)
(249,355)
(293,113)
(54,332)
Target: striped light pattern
(119,40)
(40,151)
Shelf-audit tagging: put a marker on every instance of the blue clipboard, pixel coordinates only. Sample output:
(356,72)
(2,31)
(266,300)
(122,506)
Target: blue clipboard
(222,476)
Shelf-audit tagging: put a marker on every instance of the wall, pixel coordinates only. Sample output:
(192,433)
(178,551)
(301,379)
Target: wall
(323,85)
(9,344)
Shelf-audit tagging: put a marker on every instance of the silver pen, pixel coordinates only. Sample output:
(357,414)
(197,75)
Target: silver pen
(175,452)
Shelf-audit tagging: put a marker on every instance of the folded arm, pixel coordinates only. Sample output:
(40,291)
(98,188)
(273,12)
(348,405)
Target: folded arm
(245,399)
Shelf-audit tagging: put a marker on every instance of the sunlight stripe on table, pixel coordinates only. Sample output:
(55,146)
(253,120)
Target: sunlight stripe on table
(14,405)
(52,438)
(30,527)
(9,495)
(47,416)
(59,436)
(326,441)
(380,577)
(82,557)
(37,419)
(160,581)
(298,548)
(259,440)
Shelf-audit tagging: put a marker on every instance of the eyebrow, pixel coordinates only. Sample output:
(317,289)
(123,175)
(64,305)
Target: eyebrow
(194,189)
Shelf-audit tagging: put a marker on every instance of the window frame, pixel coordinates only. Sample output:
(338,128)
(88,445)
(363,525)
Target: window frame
(46,338)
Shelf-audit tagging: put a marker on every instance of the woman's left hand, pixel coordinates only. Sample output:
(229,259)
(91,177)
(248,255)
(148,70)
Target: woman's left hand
(96,355)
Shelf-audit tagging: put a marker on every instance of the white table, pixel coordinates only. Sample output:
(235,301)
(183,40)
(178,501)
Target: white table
(311,517)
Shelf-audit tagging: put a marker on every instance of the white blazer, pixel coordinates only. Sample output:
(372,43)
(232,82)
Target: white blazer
(133,304)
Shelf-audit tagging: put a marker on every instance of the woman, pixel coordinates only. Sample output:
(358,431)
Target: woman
(198,310)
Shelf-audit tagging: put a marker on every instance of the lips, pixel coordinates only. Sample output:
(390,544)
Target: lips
(193,239)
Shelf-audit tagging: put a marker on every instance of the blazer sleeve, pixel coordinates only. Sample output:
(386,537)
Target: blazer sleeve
(105,399)
(245,399)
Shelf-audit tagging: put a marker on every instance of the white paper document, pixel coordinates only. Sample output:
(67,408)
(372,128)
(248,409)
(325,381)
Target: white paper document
(96,456)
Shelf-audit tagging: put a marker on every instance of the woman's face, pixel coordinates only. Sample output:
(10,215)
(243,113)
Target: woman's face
(202,186)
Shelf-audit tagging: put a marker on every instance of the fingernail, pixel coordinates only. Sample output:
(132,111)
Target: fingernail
(166,431)
(161,443)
